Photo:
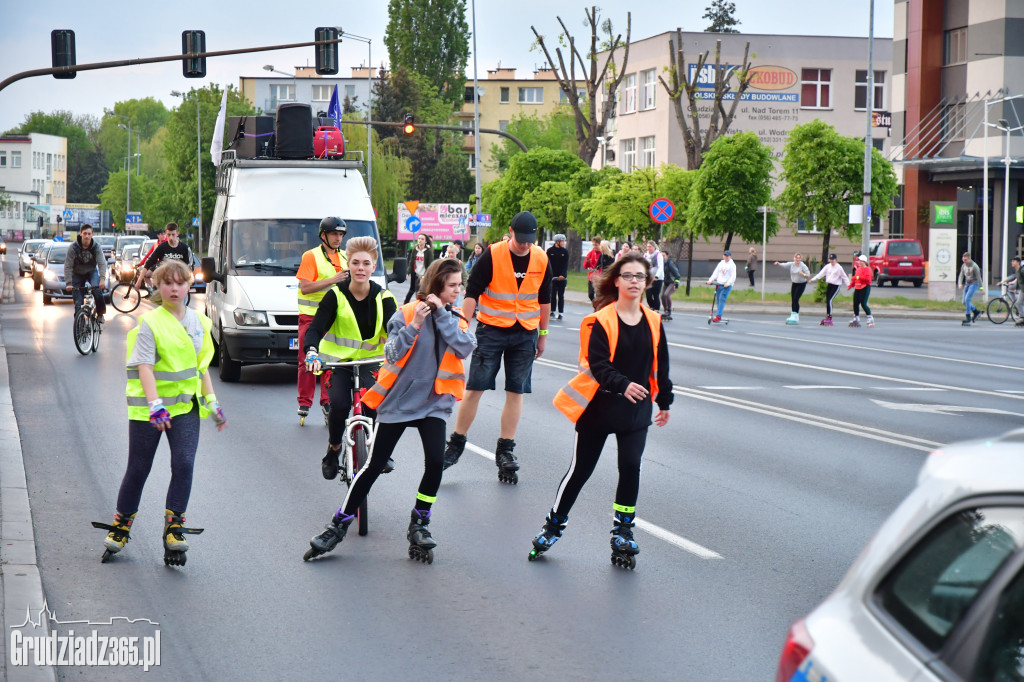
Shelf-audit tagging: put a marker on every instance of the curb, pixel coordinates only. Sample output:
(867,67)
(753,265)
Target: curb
(21,586)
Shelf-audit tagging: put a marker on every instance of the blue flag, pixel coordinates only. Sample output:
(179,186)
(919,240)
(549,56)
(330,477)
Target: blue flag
(334,108)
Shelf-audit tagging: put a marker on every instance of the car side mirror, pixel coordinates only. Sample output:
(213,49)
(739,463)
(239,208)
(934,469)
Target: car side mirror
(398,271)
(210,273)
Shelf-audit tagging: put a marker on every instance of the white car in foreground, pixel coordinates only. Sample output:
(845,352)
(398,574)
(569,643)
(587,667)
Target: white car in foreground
(938,593)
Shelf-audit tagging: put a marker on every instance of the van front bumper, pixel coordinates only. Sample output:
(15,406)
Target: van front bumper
(261,345)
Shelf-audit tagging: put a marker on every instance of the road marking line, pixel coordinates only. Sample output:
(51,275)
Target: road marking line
(910,388)
(731,388)
(861,375)
(893,352)
(813,386)
(1006,390)
(646,526)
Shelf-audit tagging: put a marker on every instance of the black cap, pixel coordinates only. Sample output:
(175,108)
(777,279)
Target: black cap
(832,256)
(524,225)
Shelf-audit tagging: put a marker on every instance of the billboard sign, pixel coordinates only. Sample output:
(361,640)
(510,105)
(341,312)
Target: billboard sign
(442,222)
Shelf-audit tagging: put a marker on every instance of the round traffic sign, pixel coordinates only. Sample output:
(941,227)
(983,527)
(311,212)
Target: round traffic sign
(413,224)
(661,210)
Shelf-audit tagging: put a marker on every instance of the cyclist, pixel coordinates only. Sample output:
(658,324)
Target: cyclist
(350,324)
(418,387)
(85,264)
(171,248)
(321,268)
(1017,280)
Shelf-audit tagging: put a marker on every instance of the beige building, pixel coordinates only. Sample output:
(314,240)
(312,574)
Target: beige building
(34,172)
(796,79)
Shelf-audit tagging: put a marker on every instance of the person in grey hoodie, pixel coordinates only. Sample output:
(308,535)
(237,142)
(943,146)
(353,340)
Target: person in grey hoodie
(422,378)
(85,264)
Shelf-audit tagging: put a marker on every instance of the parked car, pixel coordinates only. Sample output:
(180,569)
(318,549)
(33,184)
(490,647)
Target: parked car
(53,272)
(124,264)
(938,593)
(28,247)
(106,242)
(38,264)
(3,246)
(892,260)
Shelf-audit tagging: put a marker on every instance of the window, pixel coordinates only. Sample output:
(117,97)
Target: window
(471,159)
(322,93)
(628,154)
(49,166)
(954,46)
(629,94)
(503,98)
(814,88)
(282,93)
(350,92)
(650,82)
(531,95)
(647,152)
(3,159)
(1003,651)
(468,95)
(861,89)
(503,126)
(807,225)
(953,121)
(939,579)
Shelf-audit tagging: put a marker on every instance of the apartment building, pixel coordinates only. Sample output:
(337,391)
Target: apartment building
(33,172)
(266,92)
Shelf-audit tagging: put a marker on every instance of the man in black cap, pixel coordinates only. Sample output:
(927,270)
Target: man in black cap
(509,289)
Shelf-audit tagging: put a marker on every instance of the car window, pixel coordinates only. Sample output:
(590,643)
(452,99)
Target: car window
(1002,654)
(873,248)
(904,248)
(58,254)
(938,580)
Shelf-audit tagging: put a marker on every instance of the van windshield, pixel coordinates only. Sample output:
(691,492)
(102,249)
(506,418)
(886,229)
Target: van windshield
(905,248)
(275,246)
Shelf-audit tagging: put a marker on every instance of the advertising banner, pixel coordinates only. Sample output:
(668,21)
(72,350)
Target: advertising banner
(441,222)
(943,262)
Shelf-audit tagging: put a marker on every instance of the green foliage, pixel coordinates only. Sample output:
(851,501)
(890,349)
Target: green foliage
(549,202)
(87,171)
(676,185)
(5,199)
(147,117)
(555,130)
(113,196)
(722,15)
(449,179)
(505,196)
(583,184)
(824,174)
(431,38)
(390,175)
(623,202)
(733,181)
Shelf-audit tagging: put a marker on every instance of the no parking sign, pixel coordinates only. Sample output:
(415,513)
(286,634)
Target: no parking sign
(661,211)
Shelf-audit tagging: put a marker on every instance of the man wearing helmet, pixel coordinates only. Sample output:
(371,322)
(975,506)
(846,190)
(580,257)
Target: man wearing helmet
(322,267)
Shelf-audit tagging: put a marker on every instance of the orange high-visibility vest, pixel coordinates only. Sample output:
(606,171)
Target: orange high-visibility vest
(451,374)
(573,398)
(504,302)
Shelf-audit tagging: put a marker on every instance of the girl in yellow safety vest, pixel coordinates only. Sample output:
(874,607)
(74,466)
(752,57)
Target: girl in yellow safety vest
(169,390)
(623,372)
(417,387)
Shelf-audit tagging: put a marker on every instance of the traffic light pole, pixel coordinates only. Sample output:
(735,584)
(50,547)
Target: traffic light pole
(435,126)
(65,70)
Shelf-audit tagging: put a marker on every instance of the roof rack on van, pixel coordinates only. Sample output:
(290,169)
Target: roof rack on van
(352,160)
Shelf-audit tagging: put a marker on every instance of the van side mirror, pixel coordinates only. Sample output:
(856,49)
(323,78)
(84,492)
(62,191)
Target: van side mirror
(398,271)
(210,273)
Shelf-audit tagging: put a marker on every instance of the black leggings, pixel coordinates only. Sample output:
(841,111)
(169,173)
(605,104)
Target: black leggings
(860,298)
(432,432)
(586,452)
(558,295)
(414,285)
(795,292)
(830,293)
(654,295)
(143,439)
(339,390)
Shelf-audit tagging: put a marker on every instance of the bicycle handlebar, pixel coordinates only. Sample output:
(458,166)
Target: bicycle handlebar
(353,363)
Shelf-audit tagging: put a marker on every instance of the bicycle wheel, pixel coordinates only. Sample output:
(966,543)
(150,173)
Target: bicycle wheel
(998,310)
(82,330)
(360,456)
(124,297)
(97,329)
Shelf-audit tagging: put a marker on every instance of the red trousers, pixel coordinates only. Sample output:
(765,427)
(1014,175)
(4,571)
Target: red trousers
(308,380)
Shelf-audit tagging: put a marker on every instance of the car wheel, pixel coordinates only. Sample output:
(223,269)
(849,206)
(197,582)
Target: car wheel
(230,371)
(918,283)
(895,283)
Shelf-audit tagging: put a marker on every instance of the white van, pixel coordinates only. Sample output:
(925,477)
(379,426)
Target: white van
(267,215)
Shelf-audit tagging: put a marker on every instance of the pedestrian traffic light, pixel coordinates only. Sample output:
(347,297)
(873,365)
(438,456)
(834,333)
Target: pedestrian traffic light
(193,42)
(410,125)
(62,51)
(326,55)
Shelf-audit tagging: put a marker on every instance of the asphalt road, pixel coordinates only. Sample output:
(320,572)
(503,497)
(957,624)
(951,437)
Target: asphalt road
(786,448)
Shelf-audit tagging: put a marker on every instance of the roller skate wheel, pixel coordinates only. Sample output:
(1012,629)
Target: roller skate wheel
(175,558)
(534,555)
(310,554)
(624,560)
(106,556)
(302,421)
(425,556)
(510,477)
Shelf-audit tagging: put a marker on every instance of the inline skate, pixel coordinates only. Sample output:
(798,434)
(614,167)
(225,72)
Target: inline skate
(794,318)
(855,322)
(303,413)
(421,544)
(117,538)
(624,548)
(549,534)
(175,531)
(333,534)
(507,463)
(827,322)
(454,449)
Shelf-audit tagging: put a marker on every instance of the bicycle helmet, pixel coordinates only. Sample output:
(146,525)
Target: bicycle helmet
(332,224)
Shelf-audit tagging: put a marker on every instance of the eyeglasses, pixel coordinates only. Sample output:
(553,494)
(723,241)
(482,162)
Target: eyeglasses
(632,276)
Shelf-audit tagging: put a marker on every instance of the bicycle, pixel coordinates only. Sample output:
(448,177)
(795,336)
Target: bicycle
(356,441)
(86,328)
(126,298)
(1003,308)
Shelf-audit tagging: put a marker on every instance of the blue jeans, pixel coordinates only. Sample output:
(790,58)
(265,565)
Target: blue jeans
(969,291)
(721,293)
(93,280)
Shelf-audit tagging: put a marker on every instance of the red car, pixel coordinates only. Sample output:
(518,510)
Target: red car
(892,260)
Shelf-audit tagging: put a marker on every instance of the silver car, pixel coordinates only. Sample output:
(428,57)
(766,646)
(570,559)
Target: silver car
(938,593)
(25,252)
(53,273)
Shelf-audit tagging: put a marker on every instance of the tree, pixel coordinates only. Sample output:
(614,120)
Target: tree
(681,82)
(555,130)
(824,174)
(623,204)
(87,170)
(734,180)
(114,195)
(449,180)
(147,117)
(549,202)
(5,199)
(430,38)
(390,175)
(590,124)
(722,15)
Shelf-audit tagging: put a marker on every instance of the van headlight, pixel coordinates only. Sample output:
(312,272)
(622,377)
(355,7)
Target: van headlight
(250,318)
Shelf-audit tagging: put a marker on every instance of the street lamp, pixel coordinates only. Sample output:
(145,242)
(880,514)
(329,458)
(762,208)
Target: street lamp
(138,144)
(199,170)
(128,192)
(369,106)
(270,67)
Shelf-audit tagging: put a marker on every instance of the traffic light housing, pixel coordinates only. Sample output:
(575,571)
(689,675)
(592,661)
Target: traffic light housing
(410,125)
(326,55)
(193,42)
(62,51)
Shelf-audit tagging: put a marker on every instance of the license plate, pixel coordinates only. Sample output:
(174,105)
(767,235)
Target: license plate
(905,264)
(293,343)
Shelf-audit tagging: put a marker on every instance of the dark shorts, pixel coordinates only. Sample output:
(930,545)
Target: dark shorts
(516,345)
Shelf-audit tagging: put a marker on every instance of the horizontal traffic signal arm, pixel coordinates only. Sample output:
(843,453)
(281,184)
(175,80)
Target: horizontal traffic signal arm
(434,126)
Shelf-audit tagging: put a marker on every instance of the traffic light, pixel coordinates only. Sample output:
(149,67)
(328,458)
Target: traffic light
(193,42)
(410,125)
(326,55)
(62,51)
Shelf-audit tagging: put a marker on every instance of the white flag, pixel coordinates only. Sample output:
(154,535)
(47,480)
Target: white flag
(218,130)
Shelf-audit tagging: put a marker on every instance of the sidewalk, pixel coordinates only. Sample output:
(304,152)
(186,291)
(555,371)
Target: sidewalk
(21,587)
